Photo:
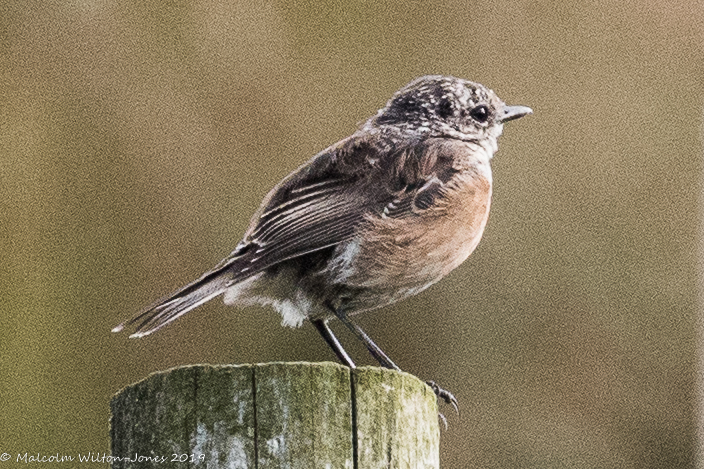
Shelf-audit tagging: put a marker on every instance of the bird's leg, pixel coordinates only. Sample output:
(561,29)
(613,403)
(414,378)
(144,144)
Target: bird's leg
(373,348)
(386,362)
(322,326)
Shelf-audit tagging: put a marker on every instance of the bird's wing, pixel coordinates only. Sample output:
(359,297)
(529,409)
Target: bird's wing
(317,206)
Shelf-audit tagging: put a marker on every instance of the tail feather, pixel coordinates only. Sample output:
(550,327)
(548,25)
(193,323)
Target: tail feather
(168,309)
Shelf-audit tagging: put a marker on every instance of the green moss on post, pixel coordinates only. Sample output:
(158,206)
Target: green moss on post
(303,415)
(278,415)
(397,420)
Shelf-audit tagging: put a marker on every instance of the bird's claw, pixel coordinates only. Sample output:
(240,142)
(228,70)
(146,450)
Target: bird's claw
(446,396)
(442,418)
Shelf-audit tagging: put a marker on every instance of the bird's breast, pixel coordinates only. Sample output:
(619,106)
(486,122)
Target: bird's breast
(412,252)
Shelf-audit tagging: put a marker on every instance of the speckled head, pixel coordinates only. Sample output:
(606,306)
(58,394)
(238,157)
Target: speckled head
(445,106)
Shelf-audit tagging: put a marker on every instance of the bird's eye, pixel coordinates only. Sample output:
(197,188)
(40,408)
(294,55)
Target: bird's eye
(480,113)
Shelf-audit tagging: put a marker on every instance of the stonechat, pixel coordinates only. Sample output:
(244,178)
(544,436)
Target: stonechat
(371,220)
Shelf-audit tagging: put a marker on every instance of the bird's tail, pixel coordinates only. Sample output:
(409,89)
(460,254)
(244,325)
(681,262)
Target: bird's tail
(168,309)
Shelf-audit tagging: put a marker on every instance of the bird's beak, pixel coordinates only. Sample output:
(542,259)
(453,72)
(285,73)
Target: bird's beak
(514,112)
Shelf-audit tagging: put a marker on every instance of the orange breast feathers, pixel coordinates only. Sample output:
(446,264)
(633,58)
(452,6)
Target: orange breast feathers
(421,248)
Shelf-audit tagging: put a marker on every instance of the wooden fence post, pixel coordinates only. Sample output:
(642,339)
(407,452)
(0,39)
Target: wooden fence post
(275,415)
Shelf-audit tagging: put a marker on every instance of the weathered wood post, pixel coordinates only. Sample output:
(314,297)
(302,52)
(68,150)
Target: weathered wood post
(276,415)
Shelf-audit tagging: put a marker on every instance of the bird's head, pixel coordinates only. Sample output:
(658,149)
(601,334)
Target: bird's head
(447,107)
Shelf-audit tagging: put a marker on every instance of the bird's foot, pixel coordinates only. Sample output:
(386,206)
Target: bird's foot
(446,396)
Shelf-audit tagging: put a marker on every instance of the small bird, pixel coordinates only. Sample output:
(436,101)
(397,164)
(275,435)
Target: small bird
(375,218)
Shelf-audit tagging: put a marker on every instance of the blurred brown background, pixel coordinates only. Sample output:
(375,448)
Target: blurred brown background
(137,138)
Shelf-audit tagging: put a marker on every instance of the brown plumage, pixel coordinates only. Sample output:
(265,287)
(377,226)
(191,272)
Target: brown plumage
(375,218)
